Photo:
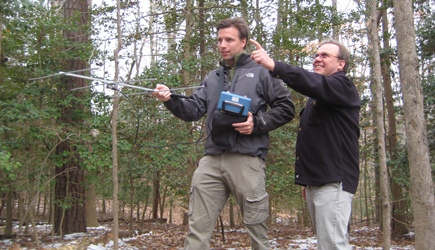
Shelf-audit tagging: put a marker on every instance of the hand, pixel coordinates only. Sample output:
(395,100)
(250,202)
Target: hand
(304,193)
(261,57)
(247,127)
(162,92)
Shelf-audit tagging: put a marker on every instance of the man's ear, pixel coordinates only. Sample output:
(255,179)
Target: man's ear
(341,64)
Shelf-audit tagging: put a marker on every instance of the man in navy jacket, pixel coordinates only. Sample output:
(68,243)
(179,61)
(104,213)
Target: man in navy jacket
(327,149)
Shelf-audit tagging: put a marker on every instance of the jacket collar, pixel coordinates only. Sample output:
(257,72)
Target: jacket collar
(239,59)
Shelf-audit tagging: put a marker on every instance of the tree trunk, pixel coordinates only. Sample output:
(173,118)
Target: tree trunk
(305,215)
(398,225)
(231,212)
(3,201)
(376,86)
(46,202)
(132,191)
(69,205)
(171,203)
(201,27)
(162,202)
(335,28)
(103,206)
(114,122)
(38,204)
(422,189)
(91,206)
(20,210)
(191,165)
(156,194)
(115,208)
(366,181)
(90,198)
(9,212)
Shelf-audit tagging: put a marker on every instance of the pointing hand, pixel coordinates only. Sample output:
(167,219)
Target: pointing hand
(256,44)
(261,57)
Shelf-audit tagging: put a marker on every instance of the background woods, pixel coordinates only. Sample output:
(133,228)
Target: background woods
(57,146)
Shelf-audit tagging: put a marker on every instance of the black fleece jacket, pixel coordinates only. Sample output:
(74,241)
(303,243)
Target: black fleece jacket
(327,148)
(271,105)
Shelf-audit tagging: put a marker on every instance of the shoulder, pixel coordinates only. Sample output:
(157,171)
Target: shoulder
(213,74)
(341,77)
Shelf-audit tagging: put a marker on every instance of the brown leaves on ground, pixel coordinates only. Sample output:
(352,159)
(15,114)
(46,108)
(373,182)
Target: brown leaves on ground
(170,236)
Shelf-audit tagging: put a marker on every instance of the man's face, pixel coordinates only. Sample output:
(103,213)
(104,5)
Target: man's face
(326,61)
(229,44)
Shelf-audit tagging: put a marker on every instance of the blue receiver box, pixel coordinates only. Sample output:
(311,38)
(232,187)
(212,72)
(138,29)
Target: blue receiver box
(233,103)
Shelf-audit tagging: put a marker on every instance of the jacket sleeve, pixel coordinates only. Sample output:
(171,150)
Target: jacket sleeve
(336,89)
(281,108)
(189,109)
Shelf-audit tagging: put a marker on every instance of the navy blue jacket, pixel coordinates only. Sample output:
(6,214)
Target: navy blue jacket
(327,148)
(271,105)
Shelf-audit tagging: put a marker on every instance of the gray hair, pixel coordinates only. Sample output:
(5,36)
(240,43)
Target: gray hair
(343,53)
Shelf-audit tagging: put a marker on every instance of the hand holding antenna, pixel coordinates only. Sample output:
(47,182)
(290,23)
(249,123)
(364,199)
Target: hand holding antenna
(162,92)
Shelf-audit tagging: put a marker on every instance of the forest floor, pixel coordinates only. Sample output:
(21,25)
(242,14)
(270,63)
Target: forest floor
(156,235)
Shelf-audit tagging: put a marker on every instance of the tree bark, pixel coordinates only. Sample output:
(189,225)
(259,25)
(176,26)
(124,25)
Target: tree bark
(9,212)
(91,206)
(156,194)
(422,189)
(69,206)
(398,225)
(187,75)
(114,122)
(91,199)
(231,212)
(376,86)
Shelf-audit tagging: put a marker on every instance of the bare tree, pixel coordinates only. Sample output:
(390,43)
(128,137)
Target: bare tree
(186,75)
(422,189)
(335,28)
(115,229)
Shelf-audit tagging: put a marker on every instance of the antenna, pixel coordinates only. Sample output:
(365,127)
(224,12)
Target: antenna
(113,83)
(48,76)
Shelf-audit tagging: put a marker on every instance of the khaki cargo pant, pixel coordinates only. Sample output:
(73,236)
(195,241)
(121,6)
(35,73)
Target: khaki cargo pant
(216,177)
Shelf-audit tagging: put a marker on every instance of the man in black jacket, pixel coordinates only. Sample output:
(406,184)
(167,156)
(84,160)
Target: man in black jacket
(327,148)
(239,167)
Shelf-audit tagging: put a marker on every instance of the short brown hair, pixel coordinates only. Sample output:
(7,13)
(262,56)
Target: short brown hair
(343,53)
(237,22)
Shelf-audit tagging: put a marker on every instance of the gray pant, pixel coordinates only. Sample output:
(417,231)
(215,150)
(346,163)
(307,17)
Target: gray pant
(330,207)
(216,177)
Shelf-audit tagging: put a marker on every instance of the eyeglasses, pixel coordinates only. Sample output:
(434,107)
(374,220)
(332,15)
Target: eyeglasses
(323,56)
